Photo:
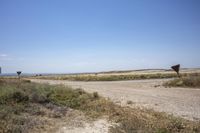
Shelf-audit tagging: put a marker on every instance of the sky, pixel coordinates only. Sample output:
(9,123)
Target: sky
(69,36)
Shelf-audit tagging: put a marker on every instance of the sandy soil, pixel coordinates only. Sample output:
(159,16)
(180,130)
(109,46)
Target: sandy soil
(183,102)
(99,126)
(75,122)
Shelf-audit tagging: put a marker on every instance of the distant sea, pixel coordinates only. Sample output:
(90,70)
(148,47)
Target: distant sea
(14,74)
(23,74)
(30,74)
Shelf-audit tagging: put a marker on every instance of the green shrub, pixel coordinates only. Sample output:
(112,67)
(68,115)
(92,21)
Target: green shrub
(69,97)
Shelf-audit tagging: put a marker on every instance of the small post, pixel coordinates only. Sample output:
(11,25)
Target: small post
(176,68)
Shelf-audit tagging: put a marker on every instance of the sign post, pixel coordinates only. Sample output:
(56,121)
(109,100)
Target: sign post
(19,73)
(176,68)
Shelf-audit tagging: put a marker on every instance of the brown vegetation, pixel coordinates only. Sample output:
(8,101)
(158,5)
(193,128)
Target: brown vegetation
(24,104)
(188,81)
(114,77)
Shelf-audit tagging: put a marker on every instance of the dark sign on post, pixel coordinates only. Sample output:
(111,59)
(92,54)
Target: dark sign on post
(19,73)
(176,68)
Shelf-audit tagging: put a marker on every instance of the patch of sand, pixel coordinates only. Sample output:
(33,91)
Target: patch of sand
(99,126)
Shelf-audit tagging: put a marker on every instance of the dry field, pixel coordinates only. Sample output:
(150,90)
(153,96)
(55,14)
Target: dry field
(183,102)
(63,106)
(121,75)
(38,108)
(148,93)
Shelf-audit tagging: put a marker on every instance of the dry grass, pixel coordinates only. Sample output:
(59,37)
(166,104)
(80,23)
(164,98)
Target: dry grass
(25,105)
(130,120)
(22,104)
(189,81)
(114,77)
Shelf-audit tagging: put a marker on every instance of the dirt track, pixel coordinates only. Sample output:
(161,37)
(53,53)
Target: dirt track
(184,102)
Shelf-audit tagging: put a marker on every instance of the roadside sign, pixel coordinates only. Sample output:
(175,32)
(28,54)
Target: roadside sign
(19,73)
(176,68)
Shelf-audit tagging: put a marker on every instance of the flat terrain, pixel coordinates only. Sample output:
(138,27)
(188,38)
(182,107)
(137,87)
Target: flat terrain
(149,71)
(183,102)
(120,75)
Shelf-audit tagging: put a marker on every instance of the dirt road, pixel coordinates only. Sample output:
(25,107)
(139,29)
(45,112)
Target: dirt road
(184,102)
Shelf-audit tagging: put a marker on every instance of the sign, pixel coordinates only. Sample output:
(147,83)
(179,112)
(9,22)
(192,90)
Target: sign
(176,68)
(19,73)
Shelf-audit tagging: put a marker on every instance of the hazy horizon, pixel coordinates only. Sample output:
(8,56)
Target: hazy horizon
(76,36)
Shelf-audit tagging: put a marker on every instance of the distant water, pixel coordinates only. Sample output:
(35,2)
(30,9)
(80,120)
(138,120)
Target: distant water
(30,74)
(14,74)
(23,74)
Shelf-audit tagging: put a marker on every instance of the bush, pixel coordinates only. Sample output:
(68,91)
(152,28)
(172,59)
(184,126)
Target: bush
(19,97)
(95,95)
(38,98)
(69,97)
(189,81)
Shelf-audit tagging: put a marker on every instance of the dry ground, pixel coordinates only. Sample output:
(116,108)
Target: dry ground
(184,102)
(150,71)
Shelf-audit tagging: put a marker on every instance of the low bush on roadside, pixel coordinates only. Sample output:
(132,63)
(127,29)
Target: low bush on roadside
(22,101)
(189,81)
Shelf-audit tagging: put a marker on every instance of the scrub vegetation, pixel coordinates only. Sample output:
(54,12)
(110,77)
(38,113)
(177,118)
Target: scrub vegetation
(24,105)
(188,81)
(92,77)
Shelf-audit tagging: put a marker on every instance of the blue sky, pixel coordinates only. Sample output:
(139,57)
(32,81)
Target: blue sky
(48,36)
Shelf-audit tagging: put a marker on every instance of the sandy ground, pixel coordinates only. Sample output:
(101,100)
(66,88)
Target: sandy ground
(183,102)
(75,122)
(99,126)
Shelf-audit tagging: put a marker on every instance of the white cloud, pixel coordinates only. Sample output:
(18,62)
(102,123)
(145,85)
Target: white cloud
(3,55)
(6,57)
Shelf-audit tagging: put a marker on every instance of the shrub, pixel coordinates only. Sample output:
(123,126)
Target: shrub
(95,95)
(189,81)
(19,97)
(38,98)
